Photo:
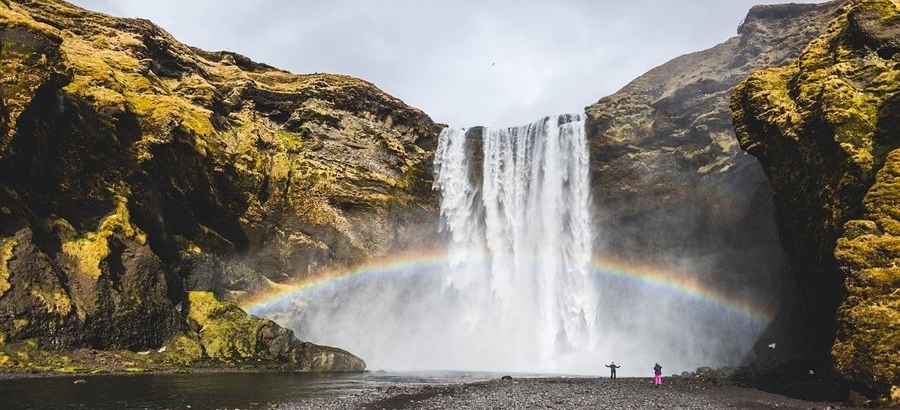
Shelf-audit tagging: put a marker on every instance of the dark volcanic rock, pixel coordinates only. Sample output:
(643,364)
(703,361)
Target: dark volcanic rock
(134,168)
(669,178)
(825,129)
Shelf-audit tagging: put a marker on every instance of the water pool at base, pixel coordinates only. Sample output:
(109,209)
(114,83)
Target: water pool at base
(244,390)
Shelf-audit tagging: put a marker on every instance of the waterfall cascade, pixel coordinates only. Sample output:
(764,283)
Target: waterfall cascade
(520,237)
(517,289)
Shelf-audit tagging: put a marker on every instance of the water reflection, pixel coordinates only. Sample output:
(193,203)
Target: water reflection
(203,390)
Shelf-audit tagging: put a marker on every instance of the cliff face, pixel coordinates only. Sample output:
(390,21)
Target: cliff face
(134,169)
(670,180)
(825,128)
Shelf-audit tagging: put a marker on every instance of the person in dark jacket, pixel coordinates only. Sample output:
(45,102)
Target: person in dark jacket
(657,373)
(612,369)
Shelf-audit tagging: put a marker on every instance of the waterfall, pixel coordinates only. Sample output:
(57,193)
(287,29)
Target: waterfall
(517,289)
(520,238)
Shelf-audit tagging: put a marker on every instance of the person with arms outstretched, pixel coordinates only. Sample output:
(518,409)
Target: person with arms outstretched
(612,369)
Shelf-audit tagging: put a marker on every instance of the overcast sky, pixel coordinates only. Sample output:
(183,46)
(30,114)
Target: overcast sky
(464,62)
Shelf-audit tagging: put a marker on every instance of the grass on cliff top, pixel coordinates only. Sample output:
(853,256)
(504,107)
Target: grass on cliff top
(107,72)
(13,15)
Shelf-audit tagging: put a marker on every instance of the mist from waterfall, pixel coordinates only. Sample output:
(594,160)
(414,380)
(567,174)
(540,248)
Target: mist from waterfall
(516,289)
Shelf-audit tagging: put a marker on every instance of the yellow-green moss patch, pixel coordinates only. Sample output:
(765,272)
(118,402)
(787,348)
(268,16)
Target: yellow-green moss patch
(7,249)
(184,350)
(769,88)
(89,250)
(55,299)
(136,370)
(227,333)
(290,141)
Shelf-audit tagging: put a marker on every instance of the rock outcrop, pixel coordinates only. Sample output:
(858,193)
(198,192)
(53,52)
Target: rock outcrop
(670,180)
(826,128)
(135,169)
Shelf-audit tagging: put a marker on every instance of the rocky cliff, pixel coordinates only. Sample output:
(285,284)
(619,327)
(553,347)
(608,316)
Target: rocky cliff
(142,181)
(671,182)
(825,128)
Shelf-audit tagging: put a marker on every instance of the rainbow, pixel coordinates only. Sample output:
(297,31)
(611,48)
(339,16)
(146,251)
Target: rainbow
(426,261)
(680,283)
(431,261)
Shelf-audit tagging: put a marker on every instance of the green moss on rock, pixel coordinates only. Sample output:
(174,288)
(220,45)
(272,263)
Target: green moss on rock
(226,332)
(229,335)
(6,253)
(89,250)
(824,128)
(184,350)
(867,347)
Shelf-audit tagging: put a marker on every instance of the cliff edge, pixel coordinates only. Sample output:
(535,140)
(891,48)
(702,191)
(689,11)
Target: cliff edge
(825,128)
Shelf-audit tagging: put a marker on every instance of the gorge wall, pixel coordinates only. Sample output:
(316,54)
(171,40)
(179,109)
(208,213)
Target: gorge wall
(672,184)
(825,128)
(143,181)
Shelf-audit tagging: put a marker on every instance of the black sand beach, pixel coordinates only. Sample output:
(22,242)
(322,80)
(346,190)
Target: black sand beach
(381,391)
(569,393)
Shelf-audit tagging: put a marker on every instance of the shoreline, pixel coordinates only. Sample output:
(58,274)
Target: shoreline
(559,392)
(591,393)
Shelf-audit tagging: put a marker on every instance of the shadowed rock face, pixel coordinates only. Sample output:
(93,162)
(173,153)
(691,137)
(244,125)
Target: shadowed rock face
(134,169)
(825,128)
(670,181)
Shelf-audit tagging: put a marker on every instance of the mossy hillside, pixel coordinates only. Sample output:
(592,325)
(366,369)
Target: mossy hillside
(88,260)
(831,84)
(150,165)
(54,299)
(110,69)
(36,301)
(824,128)
(28,63)
(28,356)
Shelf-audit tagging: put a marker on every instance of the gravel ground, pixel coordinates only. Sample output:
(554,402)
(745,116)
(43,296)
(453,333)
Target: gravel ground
(565,393)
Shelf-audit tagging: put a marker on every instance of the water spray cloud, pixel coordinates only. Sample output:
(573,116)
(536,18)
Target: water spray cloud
(517,288)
